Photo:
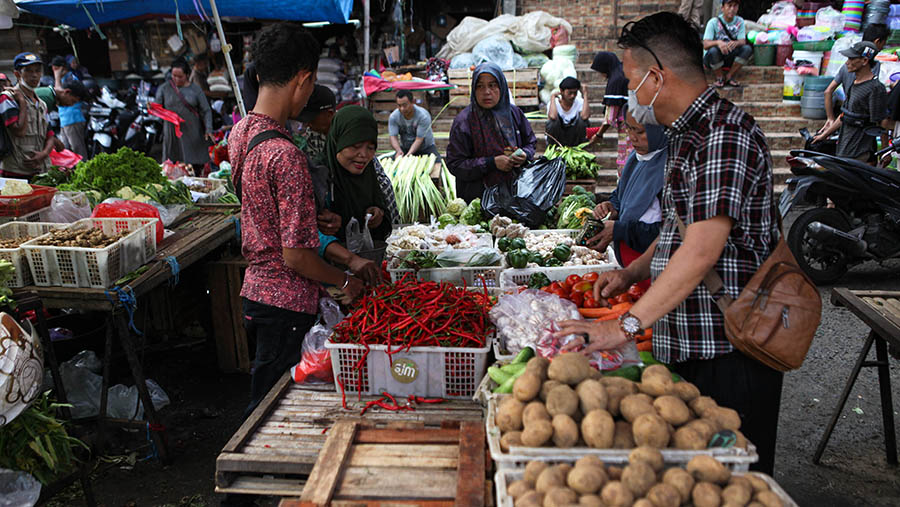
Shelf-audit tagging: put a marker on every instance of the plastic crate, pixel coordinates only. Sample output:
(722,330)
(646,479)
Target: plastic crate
(737,460)
(440,372)
(468,276)
(540,232)
(99,268)
(217,191)
(482,240)
(17,256)
(18,205)
(512,278)
(504,477)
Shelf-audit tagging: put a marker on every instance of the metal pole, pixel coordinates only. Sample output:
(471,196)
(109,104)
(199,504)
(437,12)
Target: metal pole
(366,42)
(226,49)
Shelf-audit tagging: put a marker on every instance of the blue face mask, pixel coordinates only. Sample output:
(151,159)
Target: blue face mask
(641,113)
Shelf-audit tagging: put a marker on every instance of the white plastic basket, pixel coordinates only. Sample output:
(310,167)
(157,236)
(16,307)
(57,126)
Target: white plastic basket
(459,276)
(737,460)
(512,278)
(504,477)
(17,256)
(99,268)
(439,372)
(218,188)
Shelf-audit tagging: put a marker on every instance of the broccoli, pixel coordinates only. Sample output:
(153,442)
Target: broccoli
(472,214)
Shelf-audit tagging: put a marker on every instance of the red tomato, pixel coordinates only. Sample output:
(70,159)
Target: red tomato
(635,292)
(590,302)
(577,298)
(583,287)
(559,291)
(555,285)
(621,298)
(590,277)
(572,280)
(546,289)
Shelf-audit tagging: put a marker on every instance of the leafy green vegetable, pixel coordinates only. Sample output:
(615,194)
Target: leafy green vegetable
(456,207)
(108,172)
(419,260)
(568,207)
(52,178)
(445,220)
(579,163)
(472,214)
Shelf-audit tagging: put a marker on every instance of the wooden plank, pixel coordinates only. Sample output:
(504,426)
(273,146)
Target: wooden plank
(387,455)
(241,349)
(389,502)
(260,463)
(324,477)
(396,482)
(463,101)
(432,436)
(523,91)
(222,328)
(526,74)
(258,414)
(471,471)
(249,485)
(876,321)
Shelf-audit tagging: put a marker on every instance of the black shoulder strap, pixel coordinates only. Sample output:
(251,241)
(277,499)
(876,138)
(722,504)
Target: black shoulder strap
(725,28)
(256,141)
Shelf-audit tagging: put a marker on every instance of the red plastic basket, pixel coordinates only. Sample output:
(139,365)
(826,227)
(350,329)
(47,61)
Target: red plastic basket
(18,205)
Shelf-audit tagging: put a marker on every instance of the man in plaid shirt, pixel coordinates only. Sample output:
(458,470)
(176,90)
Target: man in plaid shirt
(719,183)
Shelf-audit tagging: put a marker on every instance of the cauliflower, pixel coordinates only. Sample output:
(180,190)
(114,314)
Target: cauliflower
(456,207)
(13,187)
(142,198)
(126,193)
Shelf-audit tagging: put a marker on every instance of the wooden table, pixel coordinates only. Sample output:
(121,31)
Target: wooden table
(197,233)
(275,449)
(880,310)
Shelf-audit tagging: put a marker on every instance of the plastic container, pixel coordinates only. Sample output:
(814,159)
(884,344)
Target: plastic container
(18,205)
(460,276)
(764,55)
(17,256)
(216,188)
(814,57)
(823,45)
(793,87)
(782,53)
(514,278)
(438,372)
(98,268)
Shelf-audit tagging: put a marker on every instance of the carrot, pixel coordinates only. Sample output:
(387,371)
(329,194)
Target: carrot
(605,313)
(645,346)
(647,335)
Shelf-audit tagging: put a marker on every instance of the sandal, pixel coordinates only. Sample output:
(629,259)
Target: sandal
(719,83)
(732,83)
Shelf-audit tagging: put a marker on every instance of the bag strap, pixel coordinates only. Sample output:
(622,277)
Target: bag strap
(183,100)
(254,142)
(725,28)
(711,280)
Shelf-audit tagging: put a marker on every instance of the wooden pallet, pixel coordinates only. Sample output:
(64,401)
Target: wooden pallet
(277,446)
(523,83)
(367,466)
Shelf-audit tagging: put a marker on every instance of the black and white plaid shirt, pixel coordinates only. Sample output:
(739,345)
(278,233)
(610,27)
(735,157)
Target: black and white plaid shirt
(719,164)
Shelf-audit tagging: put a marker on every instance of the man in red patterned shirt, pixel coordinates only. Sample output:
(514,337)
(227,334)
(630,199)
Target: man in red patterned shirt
(279,231)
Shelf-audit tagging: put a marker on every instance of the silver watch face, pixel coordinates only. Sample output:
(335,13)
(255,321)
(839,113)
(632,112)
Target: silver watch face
(631,324)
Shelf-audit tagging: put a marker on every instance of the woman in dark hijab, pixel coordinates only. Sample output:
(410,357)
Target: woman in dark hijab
(486,134)
(614,99)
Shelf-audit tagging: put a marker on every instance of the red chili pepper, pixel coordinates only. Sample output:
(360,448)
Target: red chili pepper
(420,399)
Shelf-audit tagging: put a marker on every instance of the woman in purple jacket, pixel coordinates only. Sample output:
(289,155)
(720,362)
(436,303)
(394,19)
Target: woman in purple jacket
(486,135)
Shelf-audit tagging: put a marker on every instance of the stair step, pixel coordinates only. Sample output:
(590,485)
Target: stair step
(749,74)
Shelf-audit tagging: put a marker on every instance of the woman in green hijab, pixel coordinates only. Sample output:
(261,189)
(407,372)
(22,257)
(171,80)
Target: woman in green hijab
(358,184)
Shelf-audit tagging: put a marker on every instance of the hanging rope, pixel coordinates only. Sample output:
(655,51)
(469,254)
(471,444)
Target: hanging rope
(237,226)
(94,25)
(176,269)
(129,303)
(178,21)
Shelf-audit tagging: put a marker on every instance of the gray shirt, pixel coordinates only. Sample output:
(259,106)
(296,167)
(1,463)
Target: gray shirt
(845,78)
(408,130)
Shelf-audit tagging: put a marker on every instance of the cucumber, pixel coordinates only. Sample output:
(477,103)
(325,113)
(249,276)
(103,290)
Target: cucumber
(524,355)
(514,369)
(506,387)
(498,375)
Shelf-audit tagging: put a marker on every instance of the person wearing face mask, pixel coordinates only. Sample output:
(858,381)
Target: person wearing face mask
(719,188)
(486,135)
(634,208)
(568,114)
(186,99)
(25,117)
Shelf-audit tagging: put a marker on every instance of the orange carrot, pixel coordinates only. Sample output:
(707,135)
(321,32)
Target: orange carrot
(645,346)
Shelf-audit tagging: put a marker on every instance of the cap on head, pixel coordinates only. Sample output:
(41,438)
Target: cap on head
(863,49)
(25,59)
(322,98)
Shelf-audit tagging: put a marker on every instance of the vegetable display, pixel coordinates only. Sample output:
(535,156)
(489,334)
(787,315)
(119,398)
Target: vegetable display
(569,206)
(503,227)
(83,238)
(553,249)
(425,237)
(13,187)
(417,196)
(506,375)
(522,318)
(108,172)
(580,164)
(472,215)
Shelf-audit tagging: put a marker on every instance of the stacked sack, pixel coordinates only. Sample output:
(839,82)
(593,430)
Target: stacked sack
(218,83)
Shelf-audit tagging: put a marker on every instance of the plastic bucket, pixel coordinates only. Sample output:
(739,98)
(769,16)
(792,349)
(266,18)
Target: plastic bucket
(816,83)
(814,57)
(764,55)
(782,53)
(812,105)
(793,87)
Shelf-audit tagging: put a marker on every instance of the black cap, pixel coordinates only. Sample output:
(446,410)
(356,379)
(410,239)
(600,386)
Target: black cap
(322,98)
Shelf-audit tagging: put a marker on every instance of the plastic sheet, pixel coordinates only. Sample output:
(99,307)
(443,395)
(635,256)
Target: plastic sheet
(63,210)
(539,186)
(831,18)
(495,49)
(18,489)
(530,33)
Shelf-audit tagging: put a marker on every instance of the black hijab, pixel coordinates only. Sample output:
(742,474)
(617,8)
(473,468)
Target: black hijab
(616,83)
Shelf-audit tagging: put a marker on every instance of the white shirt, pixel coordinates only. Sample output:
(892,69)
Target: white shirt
(567,117)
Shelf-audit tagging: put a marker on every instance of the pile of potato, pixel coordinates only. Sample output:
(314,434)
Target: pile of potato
(567,403)
(642,483)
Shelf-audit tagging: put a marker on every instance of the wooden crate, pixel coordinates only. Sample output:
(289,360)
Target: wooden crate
(523,83)
(437,467)
(277,446)
(387,101)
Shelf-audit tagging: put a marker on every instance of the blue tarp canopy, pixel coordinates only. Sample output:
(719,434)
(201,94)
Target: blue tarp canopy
(78,13)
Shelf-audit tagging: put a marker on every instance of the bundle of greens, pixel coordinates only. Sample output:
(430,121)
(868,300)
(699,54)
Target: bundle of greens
(580,163)
(417,196)
(579,199)
(108,172)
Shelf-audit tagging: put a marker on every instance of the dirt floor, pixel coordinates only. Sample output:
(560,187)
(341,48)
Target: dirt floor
(207,406)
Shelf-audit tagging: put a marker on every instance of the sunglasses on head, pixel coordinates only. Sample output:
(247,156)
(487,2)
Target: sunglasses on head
(629,36)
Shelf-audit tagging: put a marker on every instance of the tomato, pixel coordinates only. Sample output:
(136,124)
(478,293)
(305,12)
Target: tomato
(621,298)
(590,302)
(572,280)
(559,291)
(577,298)
(590,277)
(583,286)
(546,289)
(635,292)
(555,285)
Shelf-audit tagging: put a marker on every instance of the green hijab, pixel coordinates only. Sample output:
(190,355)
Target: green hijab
(352,194)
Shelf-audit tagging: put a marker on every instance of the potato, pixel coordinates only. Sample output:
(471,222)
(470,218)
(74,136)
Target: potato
(757,483)
(642,502)
(672,409)
(509,414)
(623,439)
(687,439)
(591,395)
(701,404)
(547,387)
(564,469)
(533,469)
(737,493)
(530,499)
(742,480)
(586,479)
(535,410)
(569,368)
(537,433)
(768,498)
(633,406)
(591,501)
(509,439)
(614,402)
(681,480)
(518,488)
(615,494)
(706,468)
(598,429)
(638,477)
(614,473)
(565,431)
(686,391)
(657,386)
(650,429)
(648,455)
(629,386)
(589,461)
(704,427)
(655,370)
(664,495)
(526,387)
(549,478)
(755,504)
(538,366)
(726,418)
(560,497)
(562,400)
(741,441)
(706,494)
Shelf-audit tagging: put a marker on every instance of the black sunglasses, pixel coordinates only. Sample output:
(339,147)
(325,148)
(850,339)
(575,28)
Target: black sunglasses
(628,35)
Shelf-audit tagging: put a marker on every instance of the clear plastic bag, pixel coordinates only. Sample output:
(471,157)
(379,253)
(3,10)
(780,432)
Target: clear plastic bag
(481,256)
(18,489)
(522,319)
(359,240)
(495,49)
(464,61)
(549,347)
(64,210)
(315,359)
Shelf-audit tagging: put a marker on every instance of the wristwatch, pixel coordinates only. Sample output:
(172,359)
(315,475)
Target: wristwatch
(630,325)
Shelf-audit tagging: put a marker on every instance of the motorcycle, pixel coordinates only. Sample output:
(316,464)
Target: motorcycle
(114,123)
(855,213)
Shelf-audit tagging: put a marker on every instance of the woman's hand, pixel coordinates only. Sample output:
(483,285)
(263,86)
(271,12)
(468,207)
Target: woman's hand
(211,138)
(517,160)
(601,335)
(365,269)
(602,240)
(603,209)
(329,222)
(377,216)
(503,163)
(612,283)
(354,289)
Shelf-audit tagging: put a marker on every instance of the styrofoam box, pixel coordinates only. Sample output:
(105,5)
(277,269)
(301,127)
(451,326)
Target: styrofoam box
(735,459)
(99,268)
(218,188)
(504,477)
(17,256)
(443,372)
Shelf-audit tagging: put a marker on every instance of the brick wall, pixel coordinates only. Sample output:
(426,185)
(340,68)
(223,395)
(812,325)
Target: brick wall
(592,20)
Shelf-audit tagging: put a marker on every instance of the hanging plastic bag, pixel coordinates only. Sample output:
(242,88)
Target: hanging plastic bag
(130,209)
(18,489)
(64,210)
(539,186)
(315,359)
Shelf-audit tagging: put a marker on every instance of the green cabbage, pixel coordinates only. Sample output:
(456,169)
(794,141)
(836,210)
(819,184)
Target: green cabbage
(456,207)
(472,214)
(445,220)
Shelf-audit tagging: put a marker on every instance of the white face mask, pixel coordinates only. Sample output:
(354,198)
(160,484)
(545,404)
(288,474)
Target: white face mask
(24,85)
(641,113)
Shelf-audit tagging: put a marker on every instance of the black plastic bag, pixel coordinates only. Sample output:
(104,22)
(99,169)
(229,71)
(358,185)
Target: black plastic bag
(538,187)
